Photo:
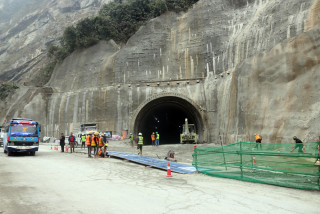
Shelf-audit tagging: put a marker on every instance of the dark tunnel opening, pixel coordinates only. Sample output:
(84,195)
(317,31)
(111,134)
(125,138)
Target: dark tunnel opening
(166,116)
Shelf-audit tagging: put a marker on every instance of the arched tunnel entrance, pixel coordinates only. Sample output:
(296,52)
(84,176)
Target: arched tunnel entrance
(166,115)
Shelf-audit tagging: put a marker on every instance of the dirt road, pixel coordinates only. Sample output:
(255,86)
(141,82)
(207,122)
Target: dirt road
(55,182)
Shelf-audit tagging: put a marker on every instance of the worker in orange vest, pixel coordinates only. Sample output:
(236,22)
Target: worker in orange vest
(95,143)
(100,147)
(258,140)
(153,139)
(88,141)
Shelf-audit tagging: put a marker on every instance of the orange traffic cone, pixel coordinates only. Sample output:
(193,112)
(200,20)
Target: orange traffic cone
(254,159)
(304,149)
(169,170)
(67,148)
(51,147)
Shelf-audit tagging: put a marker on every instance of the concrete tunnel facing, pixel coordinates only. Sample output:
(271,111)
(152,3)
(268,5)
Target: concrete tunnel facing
(166,115)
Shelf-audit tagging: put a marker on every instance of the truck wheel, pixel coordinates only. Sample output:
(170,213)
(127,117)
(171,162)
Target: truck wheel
(9,153)
(33,153)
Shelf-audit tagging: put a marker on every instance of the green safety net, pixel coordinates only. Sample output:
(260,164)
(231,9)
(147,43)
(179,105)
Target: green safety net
(268,163)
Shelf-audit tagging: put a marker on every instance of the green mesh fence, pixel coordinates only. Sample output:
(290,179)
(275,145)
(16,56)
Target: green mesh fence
(270,163)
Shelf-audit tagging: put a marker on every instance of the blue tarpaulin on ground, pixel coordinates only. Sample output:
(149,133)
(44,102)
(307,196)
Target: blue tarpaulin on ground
(155,162)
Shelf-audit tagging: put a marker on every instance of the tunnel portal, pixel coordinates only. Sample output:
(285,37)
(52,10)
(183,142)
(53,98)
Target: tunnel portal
(166,115)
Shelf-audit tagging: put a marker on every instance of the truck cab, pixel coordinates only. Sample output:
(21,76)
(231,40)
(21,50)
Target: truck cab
(22,135)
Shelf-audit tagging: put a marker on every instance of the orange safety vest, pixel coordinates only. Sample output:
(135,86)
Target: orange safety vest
(153,137)
(257,137)
(88,140)
(101,141)
(93,142)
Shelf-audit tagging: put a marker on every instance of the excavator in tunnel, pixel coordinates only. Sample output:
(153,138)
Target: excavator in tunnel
(188,134)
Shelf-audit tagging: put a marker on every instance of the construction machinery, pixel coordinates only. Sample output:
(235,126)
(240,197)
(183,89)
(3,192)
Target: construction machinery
(85,128)
(188,134)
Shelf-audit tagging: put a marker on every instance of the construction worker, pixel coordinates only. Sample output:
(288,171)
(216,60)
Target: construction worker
(97,139)
(131,139)
(105,138)
(95,143)
(258,140)
(101,143)
(153,139)
(299,144)
(88,140)
(62,142)
(105,148)
(140,143)
(83,140)
(317,163)
(72,140)
(157,138)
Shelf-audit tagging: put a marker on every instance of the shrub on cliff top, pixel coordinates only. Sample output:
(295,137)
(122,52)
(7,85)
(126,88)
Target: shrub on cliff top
(117,20)
(7,88)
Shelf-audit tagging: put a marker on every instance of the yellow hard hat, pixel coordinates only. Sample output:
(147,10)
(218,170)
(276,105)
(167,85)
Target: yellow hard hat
(90,133)
(96,133)
(107,145)
(102,134)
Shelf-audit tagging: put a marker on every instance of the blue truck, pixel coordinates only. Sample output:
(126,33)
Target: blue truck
(21,135)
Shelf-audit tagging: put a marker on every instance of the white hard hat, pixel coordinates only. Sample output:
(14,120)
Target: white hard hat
(140,133)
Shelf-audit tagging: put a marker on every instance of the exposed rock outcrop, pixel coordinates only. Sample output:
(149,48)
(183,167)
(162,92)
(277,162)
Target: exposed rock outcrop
(28,27)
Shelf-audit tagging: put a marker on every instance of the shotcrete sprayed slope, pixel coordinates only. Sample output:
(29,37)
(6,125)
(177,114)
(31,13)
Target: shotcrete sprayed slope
(239,65)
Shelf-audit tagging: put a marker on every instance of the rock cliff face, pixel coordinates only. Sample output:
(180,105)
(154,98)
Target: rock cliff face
(233,68)
(28,27)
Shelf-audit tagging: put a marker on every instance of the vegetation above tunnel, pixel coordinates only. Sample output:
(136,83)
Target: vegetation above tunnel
(117,20)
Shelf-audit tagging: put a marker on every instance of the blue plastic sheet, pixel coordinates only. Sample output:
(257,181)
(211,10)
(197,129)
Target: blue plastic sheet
(155,162)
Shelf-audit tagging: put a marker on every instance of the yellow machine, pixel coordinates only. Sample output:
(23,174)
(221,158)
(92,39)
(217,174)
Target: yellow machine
(188,134)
